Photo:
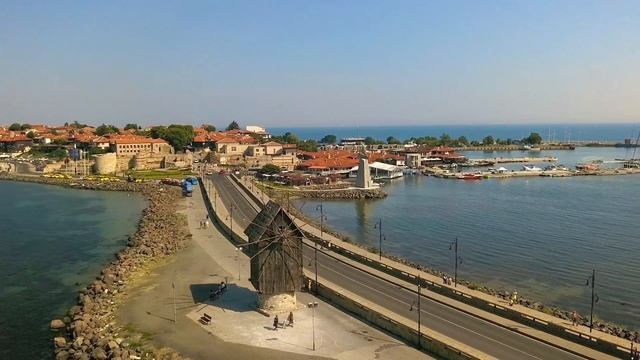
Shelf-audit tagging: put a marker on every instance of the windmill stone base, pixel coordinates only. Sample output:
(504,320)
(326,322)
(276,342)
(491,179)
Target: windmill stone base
(277,303)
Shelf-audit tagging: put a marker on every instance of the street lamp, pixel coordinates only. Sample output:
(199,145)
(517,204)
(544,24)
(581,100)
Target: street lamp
(315,243)
(591,280)
(230,219)
(458,260)
(313,306)
(238,249)
(381,236)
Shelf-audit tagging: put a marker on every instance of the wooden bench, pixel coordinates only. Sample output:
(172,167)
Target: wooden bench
(205,319)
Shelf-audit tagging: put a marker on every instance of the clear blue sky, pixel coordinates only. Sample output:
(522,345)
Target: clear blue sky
(309,63)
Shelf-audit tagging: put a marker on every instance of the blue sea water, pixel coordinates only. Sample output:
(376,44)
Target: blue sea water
(555,132)
(541,236)
(54,241)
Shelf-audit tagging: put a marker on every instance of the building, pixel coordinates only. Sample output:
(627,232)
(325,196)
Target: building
(380,171)
(352,141)
(276,258)
(259,131)
(128,146)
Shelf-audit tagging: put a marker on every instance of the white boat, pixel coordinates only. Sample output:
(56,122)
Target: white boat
(531,168)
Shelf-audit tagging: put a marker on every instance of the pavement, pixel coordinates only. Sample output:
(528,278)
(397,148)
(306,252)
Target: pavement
(237,321)
(496,336)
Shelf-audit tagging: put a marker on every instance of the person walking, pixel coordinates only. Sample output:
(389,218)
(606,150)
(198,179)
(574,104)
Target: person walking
(290,318)
(275,323)
(574,318)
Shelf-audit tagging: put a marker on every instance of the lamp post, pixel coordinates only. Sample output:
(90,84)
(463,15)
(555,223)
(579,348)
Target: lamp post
(419,296)
(378,226)
(457,260)
(313,306)
(315,243)
(594,297)
(238,249)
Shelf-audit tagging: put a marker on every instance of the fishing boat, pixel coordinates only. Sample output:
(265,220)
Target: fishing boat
(470,176)
(531,168)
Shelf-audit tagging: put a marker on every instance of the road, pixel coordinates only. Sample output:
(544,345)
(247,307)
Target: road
(473,331)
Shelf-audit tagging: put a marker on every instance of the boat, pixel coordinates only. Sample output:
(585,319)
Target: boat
(531,168)
(587,167)
(470,176)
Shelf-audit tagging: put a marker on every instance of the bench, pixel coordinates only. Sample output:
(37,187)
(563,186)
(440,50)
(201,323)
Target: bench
(205,319)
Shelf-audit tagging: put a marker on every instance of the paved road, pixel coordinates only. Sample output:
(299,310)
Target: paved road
(475,332)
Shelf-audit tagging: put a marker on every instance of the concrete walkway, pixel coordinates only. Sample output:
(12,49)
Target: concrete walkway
(236,319)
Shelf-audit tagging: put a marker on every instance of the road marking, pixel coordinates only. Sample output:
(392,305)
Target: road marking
(436,316)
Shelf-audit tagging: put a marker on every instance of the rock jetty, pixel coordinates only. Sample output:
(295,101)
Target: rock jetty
(88,330)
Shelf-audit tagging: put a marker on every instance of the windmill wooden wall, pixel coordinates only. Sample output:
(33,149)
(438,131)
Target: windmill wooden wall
(276,252)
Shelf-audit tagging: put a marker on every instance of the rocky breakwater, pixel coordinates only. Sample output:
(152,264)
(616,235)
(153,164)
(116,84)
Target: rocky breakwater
(89,330)
(350,193)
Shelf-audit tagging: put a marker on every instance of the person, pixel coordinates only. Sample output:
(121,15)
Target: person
(223,286)
(206,224)
(290,318)
(514,298)
(574,318)
(275,323)
(444,279)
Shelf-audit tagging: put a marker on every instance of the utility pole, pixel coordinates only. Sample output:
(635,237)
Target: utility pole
(315,244)
(593,298)
(419,296)
(313,306)
(231,219)
(454,247)
(173,286)
(380,236)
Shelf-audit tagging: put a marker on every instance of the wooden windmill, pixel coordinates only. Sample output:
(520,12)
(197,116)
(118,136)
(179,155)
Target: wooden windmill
(275,249)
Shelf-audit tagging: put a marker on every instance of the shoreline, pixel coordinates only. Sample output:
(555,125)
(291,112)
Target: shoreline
(604,326)
(88,329)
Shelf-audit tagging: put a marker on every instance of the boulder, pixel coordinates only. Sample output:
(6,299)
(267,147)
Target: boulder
(57,324)
(99,354)
(62,355)
(59,342)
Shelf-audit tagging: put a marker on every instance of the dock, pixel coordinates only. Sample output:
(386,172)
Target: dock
(505,160)
(447,174)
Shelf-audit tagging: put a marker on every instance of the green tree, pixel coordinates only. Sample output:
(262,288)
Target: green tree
(96,151)
(270,169)
(25,126)
(462,140)
(445,139)
(60,141)
(31,134)
(233,126)
(209,128)
(106,129)
(488,140)
(393,140)
(290,138)
(157,132)
(15,127)
(534,138)
(329,139)
(77,125)
(308,145)
(131,127)
(179,136)
(369,141)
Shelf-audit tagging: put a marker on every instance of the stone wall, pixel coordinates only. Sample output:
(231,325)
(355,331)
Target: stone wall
(106,164)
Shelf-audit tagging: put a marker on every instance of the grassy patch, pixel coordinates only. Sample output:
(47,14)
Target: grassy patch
(160,174)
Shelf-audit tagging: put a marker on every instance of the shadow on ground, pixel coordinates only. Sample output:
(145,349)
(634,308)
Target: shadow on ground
(234,298)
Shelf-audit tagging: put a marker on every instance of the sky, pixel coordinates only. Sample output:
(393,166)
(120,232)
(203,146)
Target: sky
(320,63)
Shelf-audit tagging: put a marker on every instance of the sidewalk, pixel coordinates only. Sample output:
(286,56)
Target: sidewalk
(236,319)
(515,326)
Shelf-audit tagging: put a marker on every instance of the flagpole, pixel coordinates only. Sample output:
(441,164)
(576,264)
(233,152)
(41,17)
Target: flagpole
(593,285)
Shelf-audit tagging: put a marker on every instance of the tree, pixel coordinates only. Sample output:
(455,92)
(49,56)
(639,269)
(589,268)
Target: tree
(270,169)
(233,126)
(308,145)
(106,129)
(329,139)
(290,138)
(131,126)
(77,125)
(25,126)
(393,140)
(15,127)
(157,132)
(179,136)
(209,128)
(445,139)
(488,140)
(369,140)
(60,141)
(31,134)
(534,139)
(462,140)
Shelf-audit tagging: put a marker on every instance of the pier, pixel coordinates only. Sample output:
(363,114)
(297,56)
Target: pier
(505,160)
(447,174)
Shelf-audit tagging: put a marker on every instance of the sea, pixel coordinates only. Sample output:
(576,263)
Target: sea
(549,132)
(54,242)
(540,236)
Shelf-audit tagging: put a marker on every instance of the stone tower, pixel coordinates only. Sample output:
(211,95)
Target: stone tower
(363,181)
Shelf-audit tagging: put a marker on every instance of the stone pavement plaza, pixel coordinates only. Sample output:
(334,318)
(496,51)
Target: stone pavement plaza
(338,335)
